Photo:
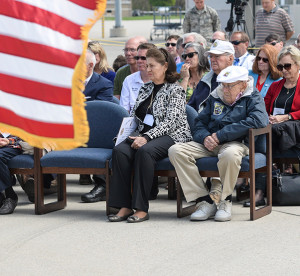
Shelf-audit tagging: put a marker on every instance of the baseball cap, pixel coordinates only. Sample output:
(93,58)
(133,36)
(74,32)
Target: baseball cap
(232,74)
(220,47)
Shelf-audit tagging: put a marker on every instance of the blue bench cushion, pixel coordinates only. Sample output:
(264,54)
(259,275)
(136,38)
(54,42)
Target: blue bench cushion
(23,161)
(210,163)
(77,158)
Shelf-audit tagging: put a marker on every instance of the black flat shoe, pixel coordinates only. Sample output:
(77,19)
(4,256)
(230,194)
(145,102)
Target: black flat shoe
(98,193)
(258,203)
(115,218)
(2,198)
(134,219)
(8,207)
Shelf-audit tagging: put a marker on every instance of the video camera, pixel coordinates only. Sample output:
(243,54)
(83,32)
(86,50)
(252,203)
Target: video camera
(239,8)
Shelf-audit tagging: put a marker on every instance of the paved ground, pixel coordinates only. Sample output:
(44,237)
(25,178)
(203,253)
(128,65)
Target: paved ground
(80,241)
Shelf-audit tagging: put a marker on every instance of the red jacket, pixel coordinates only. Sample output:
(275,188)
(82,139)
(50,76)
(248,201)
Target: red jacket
(274,91)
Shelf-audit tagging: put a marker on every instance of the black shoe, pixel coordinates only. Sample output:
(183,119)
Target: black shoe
(98,193)
(258,203)
(8,207)
(2,198)
(115,218)
(85,179)
(134,219)
(28,188)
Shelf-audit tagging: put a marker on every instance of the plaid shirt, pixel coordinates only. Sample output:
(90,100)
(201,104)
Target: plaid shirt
(14,141)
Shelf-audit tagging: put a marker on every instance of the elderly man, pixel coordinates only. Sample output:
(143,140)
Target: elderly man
(274,40)
(201,19)
(96,86)
(221,55)
(189,38)
(130,52)
(240,42)
(220,35)
(221,130)
(272,19)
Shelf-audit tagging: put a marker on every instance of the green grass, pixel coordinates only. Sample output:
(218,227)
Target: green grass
(144,17)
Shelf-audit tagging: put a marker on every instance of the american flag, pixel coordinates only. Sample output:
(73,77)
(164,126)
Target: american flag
(42,69)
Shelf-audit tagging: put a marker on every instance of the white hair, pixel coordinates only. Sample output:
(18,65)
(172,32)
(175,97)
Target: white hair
(90,57)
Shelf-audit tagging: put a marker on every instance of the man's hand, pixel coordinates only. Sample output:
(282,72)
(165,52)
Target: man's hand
(138,141)
(4,142)
(278,119)
(215,137)
(210,143)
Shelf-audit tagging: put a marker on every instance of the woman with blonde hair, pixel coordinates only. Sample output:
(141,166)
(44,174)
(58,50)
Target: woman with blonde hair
(102,67)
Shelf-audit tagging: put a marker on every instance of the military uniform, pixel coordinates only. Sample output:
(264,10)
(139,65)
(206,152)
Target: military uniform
(204,22)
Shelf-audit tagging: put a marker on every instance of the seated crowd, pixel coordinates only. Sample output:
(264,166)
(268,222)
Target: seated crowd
(232,91)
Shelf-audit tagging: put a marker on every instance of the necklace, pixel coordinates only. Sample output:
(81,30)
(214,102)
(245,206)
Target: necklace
(292,88)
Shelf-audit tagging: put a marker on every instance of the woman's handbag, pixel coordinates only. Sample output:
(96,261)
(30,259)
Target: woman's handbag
(286,189)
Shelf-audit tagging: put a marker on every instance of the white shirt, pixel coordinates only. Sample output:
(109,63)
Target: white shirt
(130,90)
(246,61)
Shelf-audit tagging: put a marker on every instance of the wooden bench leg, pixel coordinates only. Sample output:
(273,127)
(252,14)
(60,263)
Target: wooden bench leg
(171,188)
(186,211)
(40,206)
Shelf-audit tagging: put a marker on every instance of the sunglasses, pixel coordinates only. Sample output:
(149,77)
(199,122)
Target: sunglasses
(140,57)
(170,44)
(273,43)
(265,60)
(237,42)
(189,55)
(286,66)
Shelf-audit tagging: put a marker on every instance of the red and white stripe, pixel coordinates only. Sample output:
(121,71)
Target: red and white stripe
(40,44)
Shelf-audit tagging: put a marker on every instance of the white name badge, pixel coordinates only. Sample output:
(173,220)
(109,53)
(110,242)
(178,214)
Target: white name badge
(148,120)
(278,111)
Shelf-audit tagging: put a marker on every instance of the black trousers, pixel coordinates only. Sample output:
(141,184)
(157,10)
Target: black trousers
(6,154)
(142,161)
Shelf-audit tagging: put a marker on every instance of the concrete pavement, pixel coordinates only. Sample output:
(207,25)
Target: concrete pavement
(80,241)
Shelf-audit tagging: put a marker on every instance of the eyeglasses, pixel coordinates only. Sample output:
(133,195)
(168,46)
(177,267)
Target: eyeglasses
(229,86)
(189,55)
(170,44)
(237,42)
(265,60)
(140,57)
(131,50)
(184,44)
(273,43)
(286,66)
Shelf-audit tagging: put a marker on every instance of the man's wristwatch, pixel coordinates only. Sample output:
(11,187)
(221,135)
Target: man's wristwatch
(290,117)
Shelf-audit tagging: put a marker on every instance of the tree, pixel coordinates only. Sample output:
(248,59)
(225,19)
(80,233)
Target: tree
(162,3)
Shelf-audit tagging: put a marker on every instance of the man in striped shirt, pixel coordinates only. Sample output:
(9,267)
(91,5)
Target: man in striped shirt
(272,19)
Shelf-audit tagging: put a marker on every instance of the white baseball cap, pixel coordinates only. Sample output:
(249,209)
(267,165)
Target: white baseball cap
(232,74)
(220,47)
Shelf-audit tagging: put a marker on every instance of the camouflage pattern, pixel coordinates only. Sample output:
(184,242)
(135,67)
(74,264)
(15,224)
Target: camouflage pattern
(204,22)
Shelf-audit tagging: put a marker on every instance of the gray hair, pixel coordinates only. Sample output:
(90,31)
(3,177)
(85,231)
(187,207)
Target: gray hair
(203,64)
(291,50)
(90,57)
(179,42)
(198,38)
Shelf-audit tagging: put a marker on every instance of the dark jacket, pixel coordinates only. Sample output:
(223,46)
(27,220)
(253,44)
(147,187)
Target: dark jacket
(201,93)
(231,123)
(286,135)
(99,88)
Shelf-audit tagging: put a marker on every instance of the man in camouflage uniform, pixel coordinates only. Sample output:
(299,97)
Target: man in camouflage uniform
(201,19)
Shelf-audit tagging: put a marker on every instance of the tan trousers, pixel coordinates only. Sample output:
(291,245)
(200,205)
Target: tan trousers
(183,157)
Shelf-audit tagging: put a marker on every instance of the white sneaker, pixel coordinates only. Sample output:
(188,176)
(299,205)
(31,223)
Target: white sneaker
(204,210)
(224,211)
